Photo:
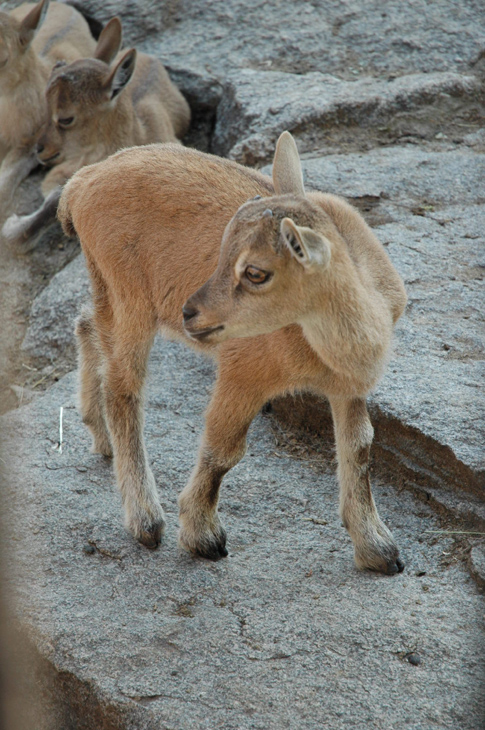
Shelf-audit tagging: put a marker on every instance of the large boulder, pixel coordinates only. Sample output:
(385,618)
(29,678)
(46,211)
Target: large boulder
(386,102)
(50,335)
(285,632)
(326,114)
(341,37)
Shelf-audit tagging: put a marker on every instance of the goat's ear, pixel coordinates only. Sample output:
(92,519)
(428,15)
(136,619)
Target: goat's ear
(32,21)
(310,249)
(109,41)
(121,72)
(287,174)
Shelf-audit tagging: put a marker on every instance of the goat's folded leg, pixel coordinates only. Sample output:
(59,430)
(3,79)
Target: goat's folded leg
(23,232)
(374,545)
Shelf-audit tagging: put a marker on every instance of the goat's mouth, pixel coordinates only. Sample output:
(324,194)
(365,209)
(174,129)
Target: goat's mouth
(48,160)
(201,335)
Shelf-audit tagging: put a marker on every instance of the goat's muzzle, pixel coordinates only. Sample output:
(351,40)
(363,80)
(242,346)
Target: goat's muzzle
(189,312)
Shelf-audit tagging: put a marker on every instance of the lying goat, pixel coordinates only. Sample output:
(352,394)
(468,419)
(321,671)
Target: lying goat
(300,296)
(92,114)
(32,39)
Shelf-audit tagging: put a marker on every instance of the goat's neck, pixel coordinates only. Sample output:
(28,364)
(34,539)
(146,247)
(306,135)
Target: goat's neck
(31,73)
(349,328)
(118,126)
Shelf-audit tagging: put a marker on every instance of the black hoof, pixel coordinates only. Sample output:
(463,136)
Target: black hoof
(215,549)
(395,566)
(152,537)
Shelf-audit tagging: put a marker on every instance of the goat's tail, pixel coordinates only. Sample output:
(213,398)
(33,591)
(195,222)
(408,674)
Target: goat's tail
(64,212)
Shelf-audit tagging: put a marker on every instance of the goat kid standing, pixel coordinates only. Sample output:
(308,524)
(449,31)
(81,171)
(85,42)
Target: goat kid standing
(91,115)
(300,296)
(32,39)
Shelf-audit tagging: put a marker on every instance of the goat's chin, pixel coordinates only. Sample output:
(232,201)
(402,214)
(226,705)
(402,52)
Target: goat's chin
(216,334)
(207,335)
(49,159)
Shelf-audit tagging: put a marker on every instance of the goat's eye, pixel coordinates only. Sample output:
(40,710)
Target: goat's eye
(65,122)
(256,276)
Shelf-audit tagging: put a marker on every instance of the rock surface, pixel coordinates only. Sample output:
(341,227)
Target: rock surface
(477,565)
(322,111)
(387,104)
(343,36)
(50,336)
(283,633)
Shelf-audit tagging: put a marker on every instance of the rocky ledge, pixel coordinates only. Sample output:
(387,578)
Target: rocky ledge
(387,106)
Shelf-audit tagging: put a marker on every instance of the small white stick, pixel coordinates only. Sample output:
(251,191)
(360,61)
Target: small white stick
(60,430)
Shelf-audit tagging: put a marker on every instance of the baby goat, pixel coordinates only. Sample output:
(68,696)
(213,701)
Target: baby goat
(300,296)
(91,115)
(29,48)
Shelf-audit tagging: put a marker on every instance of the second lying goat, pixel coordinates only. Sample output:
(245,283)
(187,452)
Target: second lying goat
(300,296)
(32,39)
(92,115)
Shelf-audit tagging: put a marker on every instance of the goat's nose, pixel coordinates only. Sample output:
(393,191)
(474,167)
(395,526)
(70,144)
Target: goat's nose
(40,148)
(189,311)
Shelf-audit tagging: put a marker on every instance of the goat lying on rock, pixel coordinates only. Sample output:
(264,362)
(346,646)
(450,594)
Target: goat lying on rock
(32,39)
(299,296)
(91,115)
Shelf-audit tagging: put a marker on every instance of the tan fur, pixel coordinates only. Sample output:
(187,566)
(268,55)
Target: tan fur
(150,221)
(26,59)
(130,102)
(150,109)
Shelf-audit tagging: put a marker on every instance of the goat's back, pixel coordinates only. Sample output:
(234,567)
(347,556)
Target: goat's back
(63,36)
(151,85)
(152,219)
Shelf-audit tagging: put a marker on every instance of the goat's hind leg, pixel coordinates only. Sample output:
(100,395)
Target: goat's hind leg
(114,348)
(91,395)
(374,545)
(123,386)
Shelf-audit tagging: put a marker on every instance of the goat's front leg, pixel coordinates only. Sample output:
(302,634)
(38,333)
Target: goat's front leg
(20,231)
(232,408)
(374,545)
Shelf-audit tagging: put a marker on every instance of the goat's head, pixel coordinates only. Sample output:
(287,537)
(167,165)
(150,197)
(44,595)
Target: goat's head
(274,253)
(80,95)
(15,39)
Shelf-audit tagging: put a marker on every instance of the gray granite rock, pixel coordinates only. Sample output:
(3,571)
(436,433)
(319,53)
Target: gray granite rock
(345,37)
(477,564)
(50,336)
(257,106)
(435,380)
(283,633)
(421,180)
